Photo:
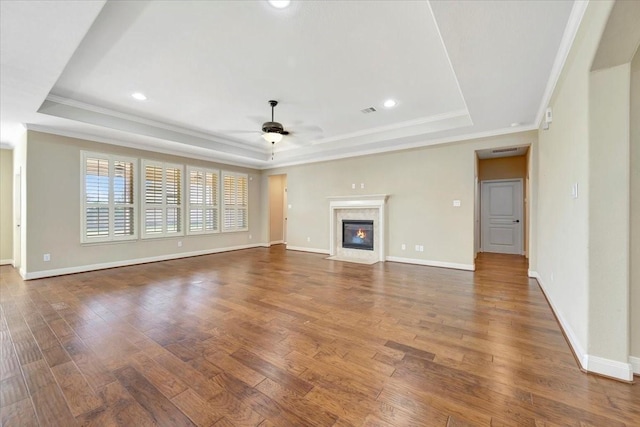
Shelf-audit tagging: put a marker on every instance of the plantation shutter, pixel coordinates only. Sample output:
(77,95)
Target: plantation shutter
(96,197)
(203,201)
(162,199)
(108,198)
(236,202)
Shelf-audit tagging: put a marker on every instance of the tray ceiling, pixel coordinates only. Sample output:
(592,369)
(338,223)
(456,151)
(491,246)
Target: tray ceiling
(456,69)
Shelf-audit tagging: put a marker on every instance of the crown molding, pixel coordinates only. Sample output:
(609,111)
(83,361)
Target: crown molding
(75,104)
(396,126)
(142,146)
(406,146)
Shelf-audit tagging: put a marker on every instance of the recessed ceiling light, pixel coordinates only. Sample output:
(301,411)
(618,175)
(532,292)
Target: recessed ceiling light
(390,103)
(279,4)
(139,96)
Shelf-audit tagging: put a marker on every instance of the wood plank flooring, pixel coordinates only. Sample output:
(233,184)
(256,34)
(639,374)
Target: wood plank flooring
(268,337)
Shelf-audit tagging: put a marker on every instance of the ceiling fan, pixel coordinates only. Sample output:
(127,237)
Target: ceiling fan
(273,131)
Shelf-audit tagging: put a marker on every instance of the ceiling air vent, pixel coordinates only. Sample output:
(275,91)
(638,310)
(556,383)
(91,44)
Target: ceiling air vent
(368,110)
(504,150)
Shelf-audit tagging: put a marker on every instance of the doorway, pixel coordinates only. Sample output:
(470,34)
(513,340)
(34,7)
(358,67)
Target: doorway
(277,209)
(501,220)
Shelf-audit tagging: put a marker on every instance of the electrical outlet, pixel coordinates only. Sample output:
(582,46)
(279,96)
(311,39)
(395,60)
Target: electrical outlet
(353,186)
(417,248)
(404,246)
(308,239)
(456,203)
(46,257)
(362,185)
(249,236)
(421,248)
(179,243)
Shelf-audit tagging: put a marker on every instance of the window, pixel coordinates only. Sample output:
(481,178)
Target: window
(235,195)
(108,198)
(162,199)
(203,201)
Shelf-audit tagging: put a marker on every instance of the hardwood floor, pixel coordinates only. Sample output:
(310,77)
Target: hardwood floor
(271,337)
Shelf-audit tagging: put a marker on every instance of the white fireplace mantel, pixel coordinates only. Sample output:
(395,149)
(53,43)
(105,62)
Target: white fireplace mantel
(368,201)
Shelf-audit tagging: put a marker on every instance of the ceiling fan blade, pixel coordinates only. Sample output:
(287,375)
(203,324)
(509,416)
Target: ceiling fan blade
(308,129)
(237,131)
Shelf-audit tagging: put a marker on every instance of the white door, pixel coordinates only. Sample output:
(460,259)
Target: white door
(501,220)
(285,209)
(17,219)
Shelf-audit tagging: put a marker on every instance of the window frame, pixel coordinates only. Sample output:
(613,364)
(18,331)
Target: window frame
(235,206)
(203,206)
(164,205)
(111,204)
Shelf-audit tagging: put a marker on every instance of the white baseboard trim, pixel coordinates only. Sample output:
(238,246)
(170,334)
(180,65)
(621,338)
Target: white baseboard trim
(595,364)
(635,364)
(6,261)
(304,249)
(124,263)
(609,368)
(454,265)
(276,242)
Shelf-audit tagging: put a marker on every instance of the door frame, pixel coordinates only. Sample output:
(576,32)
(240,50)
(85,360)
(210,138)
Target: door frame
(520,181)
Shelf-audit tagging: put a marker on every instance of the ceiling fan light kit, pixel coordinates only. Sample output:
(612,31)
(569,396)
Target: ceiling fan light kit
(272,137)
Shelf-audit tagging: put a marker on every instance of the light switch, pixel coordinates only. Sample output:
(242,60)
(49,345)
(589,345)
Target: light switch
(574,191)
(353,186)
(456,203)
(362,185)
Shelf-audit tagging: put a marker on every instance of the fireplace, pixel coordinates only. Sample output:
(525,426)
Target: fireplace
(357,234)
(369,208)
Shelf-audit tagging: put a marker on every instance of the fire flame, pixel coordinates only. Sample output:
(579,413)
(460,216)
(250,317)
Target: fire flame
(361,234)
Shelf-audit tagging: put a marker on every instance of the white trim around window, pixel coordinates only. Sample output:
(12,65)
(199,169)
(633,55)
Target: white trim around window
(203,200)
(162,199)
(108,198)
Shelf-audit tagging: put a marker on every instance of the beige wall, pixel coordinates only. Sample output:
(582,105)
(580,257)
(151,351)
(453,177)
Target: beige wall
(562,258)
(582,247)
(277,184)
(6,206)
(53,176)
(609,213)
(634,261)
(503,168)
(422,184)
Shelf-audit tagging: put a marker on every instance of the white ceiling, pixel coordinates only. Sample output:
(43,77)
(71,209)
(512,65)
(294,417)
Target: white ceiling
(457,69)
